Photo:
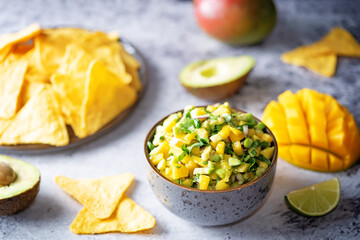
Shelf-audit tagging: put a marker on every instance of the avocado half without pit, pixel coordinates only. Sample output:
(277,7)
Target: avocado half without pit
(218,78)
(19,185)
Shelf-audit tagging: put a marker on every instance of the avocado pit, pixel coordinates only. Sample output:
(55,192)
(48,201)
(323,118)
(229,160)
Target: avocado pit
(7,174)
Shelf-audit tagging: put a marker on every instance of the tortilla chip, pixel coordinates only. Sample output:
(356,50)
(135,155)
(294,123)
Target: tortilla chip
(110,56)
(128,217)
(324,65)
(11,81)
(21,36)
(70,84)
(39,121)
(341,42)
(106,97)
(99,196)
(30,89)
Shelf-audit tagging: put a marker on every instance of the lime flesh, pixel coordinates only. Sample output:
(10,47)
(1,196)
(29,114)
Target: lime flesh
(316,200)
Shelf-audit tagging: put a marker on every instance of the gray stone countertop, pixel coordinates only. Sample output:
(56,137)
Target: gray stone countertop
(167,35)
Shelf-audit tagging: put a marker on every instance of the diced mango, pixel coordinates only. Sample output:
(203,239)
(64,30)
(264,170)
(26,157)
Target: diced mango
(179,171)
(266,137)
(191,165)
(202,133)
(221,185)
(204,182)
(221,110)
(220,147)
(251,132)
(157,158)
(268,153)
(189,137)
(162,148)
(170,122)
(224,132)
(237,148)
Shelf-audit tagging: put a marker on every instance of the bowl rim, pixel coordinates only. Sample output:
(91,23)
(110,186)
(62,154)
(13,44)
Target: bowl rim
(273,161)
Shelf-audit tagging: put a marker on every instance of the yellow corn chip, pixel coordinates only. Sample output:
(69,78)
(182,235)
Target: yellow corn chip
(11,81)
(128,217)
(341,42)
(324,65)
(22,36)
(106,97)
(70,84)
(99,196)
(320,57)
(30,89)
(28,127)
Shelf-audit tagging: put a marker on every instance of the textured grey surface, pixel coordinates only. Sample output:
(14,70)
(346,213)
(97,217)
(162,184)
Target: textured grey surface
(167,35)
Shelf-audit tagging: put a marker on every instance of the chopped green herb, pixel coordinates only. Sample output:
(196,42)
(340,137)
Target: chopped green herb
(264,144)
(229,149)
(178,166)
(181,156)
(262,158)
(162,138)
(197,123)
(150,146)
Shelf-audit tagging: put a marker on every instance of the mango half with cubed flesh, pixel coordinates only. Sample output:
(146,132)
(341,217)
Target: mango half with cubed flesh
(313,131)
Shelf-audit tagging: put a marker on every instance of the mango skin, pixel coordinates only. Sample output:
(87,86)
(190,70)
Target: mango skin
(236,22)
(313,131)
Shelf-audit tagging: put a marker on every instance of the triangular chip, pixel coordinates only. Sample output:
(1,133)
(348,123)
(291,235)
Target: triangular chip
(106,97)
(99,196)
(341,42)
(128,217)
(39,121)
(324,65)
(30,89)
(11,81)
(21,36)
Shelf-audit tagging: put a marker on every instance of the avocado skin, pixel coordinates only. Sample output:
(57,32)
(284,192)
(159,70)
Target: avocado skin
(12,205)
(219,92)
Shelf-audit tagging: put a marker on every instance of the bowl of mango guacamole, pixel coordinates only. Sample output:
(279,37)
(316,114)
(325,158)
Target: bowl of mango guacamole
(211,148)
(211,165)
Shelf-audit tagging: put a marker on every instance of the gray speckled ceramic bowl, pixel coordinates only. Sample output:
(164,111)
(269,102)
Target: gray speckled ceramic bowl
(210,207)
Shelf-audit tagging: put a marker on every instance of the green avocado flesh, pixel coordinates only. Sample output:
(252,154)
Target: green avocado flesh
(27,176)
(215,72)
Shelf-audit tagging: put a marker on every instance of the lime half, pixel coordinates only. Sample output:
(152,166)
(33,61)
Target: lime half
(316,200)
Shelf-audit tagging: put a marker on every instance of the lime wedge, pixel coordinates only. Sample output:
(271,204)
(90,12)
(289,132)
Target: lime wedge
(316,200)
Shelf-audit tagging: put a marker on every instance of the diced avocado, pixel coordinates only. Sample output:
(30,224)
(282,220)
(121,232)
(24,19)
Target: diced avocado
(234,162)
(204,170)
(220,172)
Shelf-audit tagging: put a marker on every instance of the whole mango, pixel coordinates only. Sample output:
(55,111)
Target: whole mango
(313,131)
(236,22)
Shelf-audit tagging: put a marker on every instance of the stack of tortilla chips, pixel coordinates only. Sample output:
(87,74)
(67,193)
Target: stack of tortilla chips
(321,56)
(106,207)
(50,78)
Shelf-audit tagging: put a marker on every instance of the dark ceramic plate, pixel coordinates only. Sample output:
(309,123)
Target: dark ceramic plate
(75,141)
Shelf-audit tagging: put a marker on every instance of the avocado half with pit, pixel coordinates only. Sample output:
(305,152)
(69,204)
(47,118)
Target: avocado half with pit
(19,185)
(218,78)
